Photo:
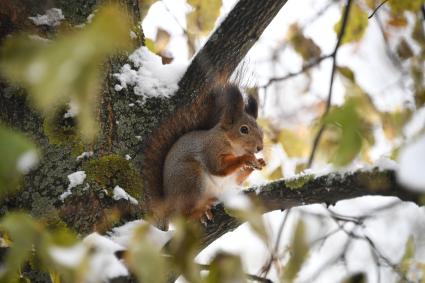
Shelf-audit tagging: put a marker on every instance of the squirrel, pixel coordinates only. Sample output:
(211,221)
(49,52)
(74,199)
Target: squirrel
(199,151)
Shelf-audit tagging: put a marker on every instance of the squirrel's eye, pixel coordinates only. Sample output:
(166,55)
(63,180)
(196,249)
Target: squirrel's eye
(244,130)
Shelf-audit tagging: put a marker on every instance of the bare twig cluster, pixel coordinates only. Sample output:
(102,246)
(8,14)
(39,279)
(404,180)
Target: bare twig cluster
(353,228)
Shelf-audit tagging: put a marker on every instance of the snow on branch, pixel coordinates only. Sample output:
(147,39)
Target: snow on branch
(307,189)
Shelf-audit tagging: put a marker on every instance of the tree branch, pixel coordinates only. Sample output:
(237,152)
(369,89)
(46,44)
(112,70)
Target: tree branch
(377,8)
(227,46)
(329,189)
(301,71)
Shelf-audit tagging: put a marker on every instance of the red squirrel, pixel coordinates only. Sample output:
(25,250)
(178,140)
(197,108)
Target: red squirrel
(199,151)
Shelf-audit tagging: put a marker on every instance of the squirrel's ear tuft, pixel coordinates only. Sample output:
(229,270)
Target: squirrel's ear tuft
(234,108)
(252,106)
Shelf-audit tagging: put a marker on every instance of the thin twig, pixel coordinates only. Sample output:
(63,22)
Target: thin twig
(376,9)
(250,276)
(190,43)
(329,100)
(266,268)
(303,70)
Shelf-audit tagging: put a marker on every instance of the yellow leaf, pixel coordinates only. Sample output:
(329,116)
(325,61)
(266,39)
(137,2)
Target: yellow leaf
(302,44)
(356,25)
(296,143)
(202,18)
(276,174)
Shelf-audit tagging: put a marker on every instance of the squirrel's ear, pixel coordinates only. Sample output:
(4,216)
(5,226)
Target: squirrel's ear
(234,108)
(252,106)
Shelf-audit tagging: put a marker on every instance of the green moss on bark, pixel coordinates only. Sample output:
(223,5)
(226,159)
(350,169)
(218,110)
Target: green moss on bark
(298,182)
(113,170)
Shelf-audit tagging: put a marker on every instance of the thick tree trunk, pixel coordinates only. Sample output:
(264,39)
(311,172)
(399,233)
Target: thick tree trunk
(123,128)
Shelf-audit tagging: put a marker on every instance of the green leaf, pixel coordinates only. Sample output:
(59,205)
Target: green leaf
(299,253)
(356,25)
(150,44)
(22,230)
(348,120)
(144,259)
(184,247)
(202,18)
(347,73)
(225,268)
(13,146)
(68,68)
(409,252)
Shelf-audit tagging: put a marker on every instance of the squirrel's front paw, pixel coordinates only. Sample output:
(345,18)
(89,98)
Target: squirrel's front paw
(253,162)
(262,162)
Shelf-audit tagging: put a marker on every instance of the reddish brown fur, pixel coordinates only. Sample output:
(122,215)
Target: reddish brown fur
(231,163)
(203,113)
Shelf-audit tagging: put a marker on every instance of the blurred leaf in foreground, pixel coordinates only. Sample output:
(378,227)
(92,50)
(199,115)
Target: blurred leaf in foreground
(67,69)
(22,231)
(184,248)
(144,258)
(18,155)
(226,268)
(30,241)
(299,253)
(409,253)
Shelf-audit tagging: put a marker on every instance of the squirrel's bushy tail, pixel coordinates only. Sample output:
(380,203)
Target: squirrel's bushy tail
(202,114)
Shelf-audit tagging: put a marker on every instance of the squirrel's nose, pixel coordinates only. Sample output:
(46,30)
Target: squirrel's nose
(259,148)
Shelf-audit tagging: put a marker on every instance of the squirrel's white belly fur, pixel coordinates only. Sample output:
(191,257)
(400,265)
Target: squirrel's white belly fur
(215,185)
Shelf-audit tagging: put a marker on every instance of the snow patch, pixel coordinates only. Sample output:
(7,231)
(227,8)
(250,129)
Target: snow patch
(234,199)
(52,18)
(69,257)
(124,234)
(73,110)
(27,161)
(75,179)
(412,164)
(119,193)
(85,155)
(150,78)
(103,263)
